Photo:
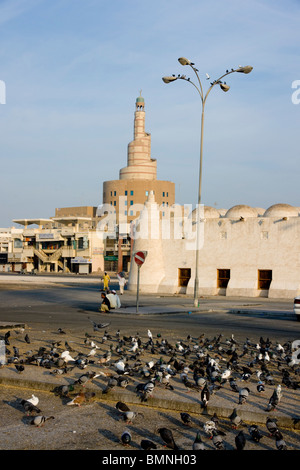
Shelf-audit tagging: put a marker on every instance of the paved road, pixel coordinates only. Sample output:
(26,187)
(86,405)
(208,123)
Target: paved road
(69,303)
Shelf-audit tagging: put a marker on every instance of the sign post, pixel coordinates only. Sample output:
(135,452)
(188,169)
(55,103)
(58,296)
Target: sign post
(139,258)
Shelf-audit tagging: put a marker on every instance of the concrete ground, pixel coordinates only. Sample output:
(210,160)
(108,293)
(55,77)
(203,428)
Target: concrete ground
(97,425)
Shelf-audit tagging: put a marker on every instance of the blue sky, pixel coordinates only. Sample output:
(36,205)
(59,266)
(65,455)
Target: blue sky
(74,68)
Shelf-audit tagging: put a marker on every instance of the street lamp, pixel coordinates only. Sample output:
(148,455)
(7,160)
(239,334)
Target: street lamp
(184,61)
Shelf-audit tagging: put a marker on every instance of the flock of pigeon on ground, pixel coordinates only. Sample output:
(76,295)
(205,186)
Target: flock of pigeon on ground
(202,365)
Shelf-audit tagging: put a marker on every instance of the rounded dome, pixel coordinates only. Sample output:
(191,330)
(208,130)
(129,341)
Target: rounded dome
(140,99)
(281,210)
(241,211)
(209,213)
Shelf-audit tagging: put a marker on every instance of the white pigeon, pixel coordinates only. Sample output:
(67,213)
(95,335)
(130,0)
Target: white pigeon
(149,334)
(33,400)
(120,366)
(92,352)
(134,347)
(208,427)
(66,356)
(226,374)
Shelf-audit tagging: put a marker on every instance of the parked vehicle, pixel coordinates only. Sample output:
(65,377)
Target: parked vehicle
(297,307)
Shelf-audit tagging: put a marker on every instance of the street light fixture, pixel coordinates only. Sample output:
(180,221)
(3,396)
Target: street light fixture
(184,61)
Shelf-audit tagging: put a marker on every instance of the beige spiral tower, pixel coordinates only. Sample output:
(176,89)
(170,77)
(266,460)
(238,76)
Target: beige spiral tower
(128,194)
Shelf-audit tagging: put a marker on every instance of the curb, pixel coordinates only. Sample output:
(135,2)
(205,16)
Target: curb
(249,417)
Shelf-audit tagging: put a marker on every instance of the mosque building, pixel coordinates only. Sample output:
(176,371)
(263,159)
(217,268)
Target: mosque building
(244,251)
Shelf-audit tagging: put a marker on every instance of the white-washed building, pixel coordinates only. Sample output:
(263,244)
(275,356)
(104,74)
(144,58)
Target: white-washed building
(244,251)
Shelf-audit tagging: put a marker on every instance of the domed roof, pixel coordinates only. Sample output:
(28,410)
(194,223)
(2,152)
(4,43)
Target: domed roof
(281,210)
(209,212)
(140,99)
(241,211)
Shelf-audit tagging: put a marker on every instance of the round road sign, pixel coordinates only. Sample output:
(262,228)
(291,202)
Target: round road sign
(139,257)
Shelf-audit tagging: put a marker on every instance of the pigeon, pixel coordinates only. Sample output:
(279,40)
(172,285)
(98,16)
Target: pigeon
(20,368)
(240,441)
(79,399)
(34,400)
(186,418)
(112,383)
(274,399)
(27,339)
(147,390)
(255,433)
(61,331)
(85,378)
(68,346)
(271,425)
(205,396)
(236,420)
(146,444)
(198,443)
(63,390)
(92,352)
(208,427)
(16,351)
(126,437)
(233,385)
(260,387)
(40,420)
(67,357)
(122,407)
(280,443)
(167,436)
(6,338)
(150,336)
(29,407)
(225,375)
(129,416)
(188,384)
(217,440)
(243,395)
(98,326)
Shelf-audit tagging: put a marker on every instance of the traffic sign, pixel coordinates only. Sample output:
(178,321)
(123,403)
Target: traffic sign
(139,257)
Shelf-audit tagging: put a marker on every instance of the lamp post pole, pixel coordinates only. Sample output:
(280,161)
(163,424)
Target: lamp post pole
(183,61)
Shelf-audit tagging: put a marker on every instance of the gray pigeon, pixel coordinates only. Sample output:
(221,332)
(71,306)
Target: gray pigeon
(236,420)
(126,437)
(280,443)
(218,441)
(243,395)
(274,399)
(198,444)
(271,425)
(255,433)
(40,420)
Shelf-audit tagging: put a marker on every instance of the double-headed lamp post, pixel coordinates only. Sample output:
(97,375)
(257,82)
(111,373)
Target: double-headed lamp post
(224,87)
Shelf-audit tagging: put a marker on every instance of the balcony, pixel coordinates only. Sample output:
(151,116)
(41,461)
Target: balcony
(68,252)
